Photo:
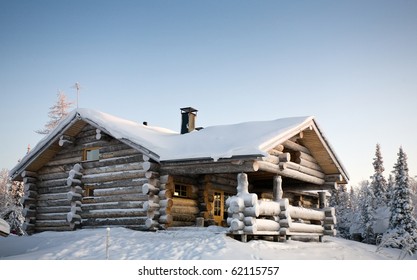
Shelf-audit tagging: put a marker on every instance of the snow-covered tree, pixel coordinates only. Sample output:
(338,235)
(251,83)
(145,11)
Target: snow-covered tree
(367,212)
(340,200)
(358,200)
(390,187)
(378,183)
(402,231)
(4,196)
(10,206)
(413,187)
(56,113)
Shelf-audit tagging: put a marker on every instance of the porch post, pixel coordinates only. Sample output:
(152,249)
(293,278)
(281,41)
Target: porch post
(322,200)
(277,188)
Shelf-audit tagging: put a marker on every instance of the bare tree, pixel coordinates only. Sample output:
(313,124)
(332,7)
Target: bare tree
(56,113)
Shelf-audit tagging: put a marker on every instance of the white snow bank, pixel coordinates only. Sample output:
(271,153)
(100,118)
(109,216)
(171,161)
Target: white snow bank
(179,244)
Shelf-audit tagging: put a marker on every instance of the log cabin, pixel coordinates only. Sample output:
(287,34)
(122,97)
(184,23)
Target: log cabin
(99,170)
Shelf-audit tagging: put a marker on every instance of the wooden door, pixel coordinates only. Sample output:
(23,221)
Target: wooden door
(218,207)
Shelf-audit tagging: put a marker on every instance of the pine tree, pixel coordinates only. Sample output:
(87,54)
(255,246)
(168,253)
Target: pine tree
(413,186)
(402,231)
(56,113)
(368,214)
(401,205)
(378,183)
(390,187)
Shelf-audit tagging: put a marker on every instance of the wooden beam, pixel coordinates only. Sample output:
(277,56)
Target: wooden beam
(275,169)
(192,168)
(66,140)
(296,147)
(306,170)
(334,178)
(310,187)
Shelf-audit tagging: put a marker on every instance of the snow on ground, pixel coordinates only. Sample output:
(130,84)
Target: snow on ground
(180,244)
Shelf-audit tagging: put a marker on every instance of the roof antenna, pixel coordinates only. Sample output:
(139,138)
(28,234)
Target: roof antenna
(77,86)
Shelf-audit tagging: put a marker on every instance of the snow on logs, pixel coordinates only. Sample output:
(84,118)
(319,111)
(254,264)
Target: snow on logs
(66,140)
(303,221)
(29,200)
(249,216)
(159,203)
(74,196)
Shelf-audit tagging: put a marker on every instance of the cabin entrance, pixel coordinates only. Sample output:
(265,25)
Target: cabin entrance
(219,207)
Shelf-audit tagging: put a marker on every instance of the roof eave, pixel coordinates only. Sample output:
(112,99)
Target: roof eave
(42,146)
(332,153)
(266,146)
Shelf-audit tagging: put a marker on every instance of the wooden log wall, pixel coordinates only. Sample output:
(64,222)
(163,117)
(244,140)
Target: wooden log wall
(184,210)
(302,200)
(114,182)
(53,203)
(293,160)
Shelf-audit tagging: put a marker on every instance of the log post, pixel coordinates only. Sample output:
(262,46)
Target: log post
(277,188)
(243,208)
(330,221)
(29,200)
(156,192)
(322,200)
(166,190)
(75,196)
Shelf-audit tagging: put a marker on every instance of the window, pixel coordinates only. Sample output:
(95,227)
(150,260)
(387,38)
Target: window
(88,191)
(88,195)
(91,154)
(181,190)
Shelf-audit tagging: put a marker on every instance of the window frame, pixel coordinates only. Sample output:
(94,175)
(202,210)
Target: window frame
(85,153)
(184,191)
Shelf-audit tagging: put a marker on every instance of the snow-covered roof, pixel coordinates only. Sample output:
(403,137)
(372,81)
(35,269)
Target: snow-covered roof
(213,142)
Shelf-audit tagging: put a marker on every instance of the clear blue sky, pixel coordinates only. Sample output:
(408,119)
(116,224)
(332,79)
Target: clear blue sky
(351,64)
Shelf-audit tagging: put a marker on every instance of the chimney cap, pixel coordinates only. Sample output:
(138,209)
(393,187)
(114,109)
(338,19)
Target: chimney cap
(188,110)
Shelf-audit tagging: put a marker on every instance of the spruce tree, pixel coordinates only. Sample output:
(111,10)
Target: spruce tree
(368,214)
(390,187)
(56,113)
(378,183)
(401,205)
(402,231)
